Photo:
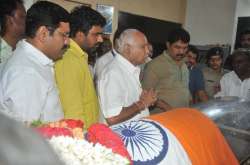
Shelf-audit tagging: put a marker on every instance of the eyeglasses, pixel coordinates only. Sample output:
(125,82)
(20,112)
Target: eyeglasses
(63,34)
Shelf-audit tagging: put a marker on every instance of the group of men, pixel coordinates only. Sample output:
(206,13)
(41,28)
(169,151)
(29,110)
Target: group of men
(214,81)
(204,81)
(45,76)
(32,74)
(237,82)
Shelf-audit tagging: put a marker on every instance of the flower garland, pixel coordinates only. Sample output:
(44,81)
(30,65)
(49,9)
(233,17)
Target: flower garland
(80,152)
(101,133)
(66,137)
(65,127)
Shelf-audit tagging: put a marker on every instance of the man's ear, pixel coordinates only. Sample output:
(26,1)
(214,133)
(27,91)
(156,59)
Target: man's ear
(167,45)
(127,52)
(42,33)
(9,22)
(127,49)
(79,36)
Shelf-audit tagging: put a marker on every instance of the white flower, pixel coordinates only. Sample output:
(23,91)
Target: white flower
(80,152)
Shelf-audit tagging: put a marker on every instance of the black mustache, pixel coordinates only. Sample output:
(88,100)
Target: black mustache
(180,55)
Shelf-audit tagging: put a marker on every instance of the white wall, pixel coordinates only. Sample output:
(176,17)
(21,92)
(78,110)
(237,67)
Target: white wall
(28,3)
(210,21)
(243,8)
(169,10)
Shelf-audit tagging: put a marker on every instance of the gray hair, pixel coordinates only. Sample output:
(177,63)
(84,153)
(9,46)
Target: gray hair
(126,37)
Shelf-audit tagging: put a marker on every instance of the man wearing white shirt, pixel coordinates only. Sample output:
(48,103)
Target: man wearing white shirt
(119,88)
(105,59)
(27,85)
(237,82)
(12,26)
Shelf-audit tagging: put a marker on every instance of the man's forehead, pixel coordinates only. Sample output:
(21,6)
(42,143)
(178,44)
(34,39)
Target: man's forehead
(96,29)
(64,26)
(190,53)
(20,9)
(216,57)
(180,42)
(140,37)
(246,36)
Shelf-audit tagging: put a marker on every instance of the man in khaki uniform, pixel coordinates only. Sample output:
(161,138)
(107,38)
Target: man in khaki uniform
(168,74)
(213,73)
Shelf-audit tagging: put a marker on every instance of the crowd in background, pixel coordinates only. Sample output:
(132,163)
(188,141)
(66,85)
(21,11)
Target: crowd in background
(56,64)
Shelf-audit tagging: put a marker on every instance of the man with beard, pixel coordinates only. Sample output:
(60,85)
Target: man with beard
(196,79)
(12,26)
(237,82)
(28,90)
(168,73)
(77,92)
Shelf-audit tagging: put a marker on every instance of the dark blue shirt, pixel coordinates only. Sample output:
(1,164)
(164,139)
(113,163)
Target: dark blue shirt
(196,80)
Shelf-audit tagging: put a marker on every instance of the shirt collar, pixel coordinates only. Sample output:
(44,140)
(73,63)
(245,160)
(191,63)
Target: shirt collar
(236,77)
(36,54)
(4,44)
(128,65)
(114,52)
(222,71)
(76,47)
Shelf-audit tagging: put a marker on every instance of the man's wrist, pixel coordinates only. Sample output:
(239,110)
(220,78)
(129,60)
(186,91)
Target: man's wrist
(140,105)
(163,105)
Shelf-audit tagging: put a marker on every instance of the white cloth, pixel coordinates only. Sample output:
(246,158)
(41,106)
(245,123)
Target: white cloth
(102,62)
(27,86)
(5,50)
(231,85)
(91,69)
(142,66)
(118,87)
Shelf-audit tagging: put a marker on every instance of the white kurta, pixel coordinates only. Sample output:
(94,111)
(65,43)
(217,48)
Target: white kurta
(27,86)
(231,85)
(5,50)
(102,62)
(118,87)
